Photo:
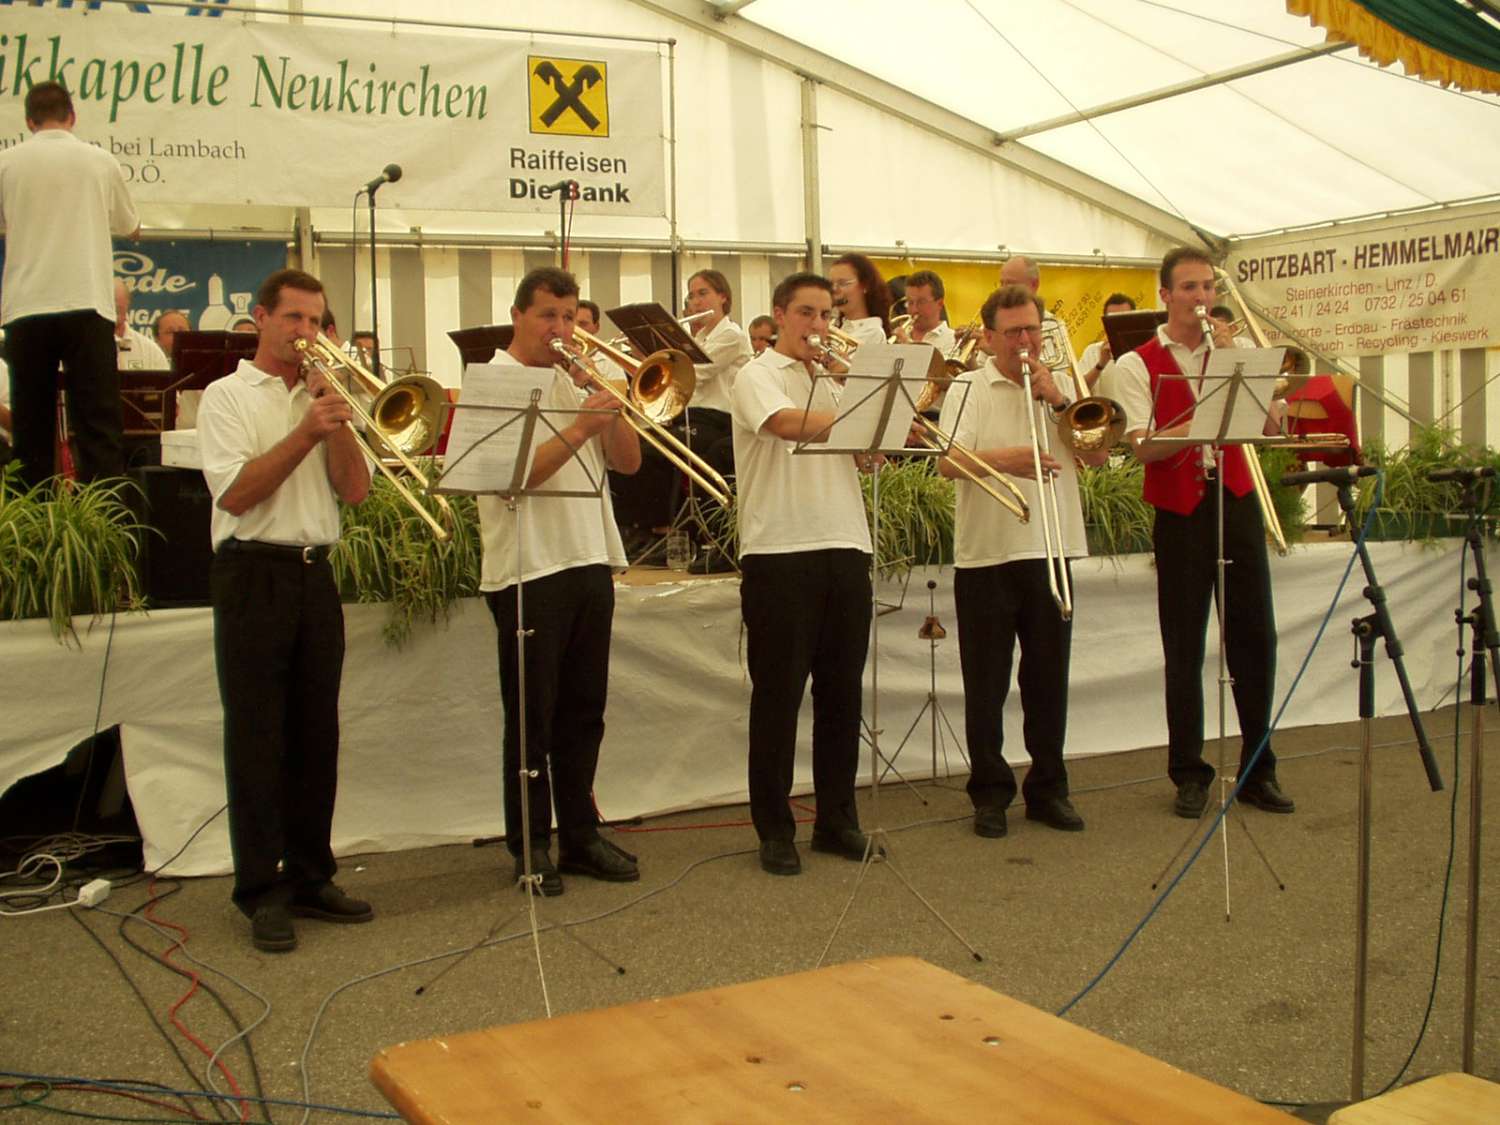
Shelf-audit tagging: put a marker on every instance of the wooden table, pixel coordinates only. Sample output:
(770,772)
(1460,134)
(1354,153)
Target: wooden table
(1448,1099)
(888,1040)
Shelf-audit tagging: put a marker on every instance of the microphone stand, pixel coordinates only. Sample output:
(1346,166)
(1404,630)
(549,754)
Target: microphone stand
(1366,630)
(374,290)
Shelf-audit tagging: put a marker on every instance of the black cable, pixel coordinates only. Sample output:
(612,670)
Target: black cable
(88,769)
(150,1014)
(122,928)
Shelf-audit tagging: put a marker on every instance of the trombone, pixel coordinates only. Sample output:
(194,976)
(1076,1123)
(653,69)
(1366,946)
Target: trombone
(1252,456)
(1046,485)
(404,421)
(659,388)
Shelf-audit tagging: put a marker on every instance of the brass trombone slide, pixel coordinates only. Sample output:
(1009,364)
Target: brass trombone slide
(1046,491)
(404,418)
(660,386)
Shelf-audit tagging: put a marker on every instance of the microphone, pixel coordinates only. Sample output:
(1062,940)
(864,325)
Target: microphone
(1466,474)
(567,188)
(1340,477)
(390,175)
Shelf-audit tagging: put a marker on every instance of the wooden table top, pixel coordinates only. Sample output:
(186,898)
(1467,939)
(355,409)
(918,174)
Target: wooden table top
(887,1040)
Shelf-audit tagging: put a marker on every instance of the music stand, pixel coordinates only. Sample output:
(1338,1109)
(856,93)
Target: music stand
(651,328)
(1237,383)
(480,345)
(1127,331)
(497,428)
(873,417)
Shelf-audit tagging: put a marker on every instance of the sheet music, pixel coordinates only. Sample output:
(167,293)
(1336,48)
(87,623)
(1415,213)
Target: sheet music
(1247,399)
(483,445)
(865,394)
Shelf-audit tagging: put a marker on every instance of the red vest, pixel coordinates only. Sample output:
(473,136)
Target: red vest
(1176,483)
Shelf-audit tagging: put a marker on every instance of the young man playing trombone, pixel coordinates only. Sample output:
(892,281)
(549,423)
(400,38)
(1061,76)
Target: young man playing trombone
(1181,486)
(572,546)
(1007,573)
(278,455)
(805,588)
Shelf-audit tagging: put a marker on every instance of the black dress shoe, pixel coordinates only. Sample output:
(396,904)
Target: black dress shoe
(599,859)
(850,843)
(1192,799)
(330,904)
(779,857)
(989,822)
(1266,795)
(1056,812)
(541,864)
(271,929)
(712,561)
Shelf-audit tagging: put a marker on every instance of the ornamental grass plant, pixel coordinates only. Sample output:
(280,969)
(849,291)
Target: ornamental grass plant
(67,551)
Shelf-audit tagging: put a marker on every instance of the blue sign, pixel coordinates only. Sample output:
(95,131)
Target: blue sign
(212,283)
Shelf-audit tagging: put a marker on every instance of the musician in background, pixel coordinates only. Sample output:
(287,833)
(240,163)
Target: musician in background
(1182,486)
(364,344)
(1097,362)
(1001,580)
(1021,270)
(762,332)
(278,457)
(165,330)
(728,348)
(861,299)
(805,589)
(134,351)
(571,546)
(924,304)
(60,200)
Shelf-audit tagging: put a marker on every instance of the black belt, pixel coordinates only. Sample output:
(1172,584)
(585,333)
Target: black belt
(306,555)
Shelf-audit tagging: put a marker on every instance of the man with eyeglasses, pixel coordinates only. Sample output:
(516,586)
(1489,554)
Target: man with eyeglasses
(1001,583)
(924,304)
(1181,485)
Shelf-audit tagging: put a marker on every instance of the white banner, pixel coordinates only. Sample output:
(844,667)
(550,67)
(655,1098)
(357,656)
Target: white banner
(229,112)
(1416,284)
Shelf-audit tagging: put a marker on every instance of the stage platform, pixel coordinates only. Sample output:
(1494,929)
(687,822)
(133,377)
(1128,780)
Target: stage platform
(421,725)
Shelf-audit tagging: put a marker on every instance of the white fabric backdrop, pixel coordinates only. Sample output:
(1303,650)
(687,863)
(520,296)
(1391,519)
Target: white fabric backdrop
(421,726)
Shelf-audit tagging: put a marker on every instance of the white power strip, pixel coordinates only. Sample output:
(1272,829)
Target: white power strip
(93,893)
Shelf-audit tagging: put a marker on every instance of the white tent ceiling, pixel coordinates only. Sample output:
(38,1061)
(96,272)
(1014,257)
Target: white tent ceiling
(1322,139)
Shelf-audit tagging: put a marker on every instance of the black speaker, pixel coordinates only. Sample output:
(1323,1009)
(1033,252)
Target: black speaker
(175,554)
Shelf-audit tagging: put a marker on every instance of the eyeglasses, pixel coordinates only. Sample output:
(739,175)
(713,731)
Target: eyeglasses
(1013,334)
(846,283)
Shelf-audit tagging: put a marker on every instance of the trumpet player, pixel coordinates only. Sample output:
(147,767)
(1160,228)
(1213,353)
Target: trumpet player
(1181,486)
(572,545)
(805,590)
(924,304)
(278,456)
(1001,569)
(1097,362)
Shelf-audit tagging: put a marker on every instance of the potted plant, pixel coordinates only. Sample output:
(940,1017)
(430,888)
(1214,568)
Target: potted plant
(1411,505)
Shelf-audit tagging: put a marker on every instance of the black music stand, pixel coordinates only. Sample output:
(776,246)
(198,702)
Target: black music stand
(1127,331)
(873,417)
(497,428)
(480,345)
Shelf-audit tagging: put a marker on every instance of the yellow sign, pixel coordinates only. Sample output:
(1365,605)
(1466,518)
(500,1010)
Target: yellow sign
(569,97)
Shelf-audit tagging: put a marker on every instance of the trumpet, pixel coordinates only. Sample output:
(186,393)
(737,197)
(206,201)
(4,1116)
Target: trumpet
(1052,538)
(403,422)
(658,390)
(1252,457)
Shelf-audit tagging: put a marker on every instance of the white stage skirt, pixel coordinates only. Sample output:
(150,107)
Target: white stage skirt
(420,754)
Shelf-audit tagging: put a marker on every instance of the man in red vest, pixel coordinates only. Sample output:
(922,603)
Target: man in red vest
(1182,485)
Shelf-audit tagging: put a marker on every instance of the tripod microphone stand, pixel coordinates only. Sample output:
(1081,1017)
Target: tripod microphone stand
(931,631)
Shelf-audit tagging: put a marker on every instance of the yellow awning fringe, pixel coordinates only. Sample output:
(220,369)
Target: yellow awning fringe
(1383,44)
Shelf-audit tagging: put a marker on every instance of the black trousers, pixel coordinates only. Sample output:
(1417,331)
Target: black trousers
(279,649)
(651,496)
(998,606)
(83,344)
(1186,553)
(806,613)
(568,617)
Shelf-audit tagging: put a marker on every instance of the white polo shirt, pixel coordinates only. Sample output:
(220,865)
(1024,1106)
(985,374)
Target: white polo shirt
(137,352)
(60,200)
(994,417)
(790,501)
(241,417)
(728,348)
(943,338)
(867,329)
(1104,385)
(559,532)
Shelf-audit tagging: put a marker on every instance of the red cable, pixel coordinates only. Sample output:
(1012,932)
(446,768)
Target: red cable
(192,976)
